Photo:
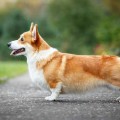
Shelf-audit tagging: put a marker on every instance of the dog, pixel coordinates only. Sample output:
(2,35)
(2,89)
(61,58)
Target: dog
(55,71)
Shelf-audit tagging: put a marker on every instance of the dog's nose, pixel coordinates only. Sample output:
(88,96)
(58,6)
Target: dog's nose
(9,44)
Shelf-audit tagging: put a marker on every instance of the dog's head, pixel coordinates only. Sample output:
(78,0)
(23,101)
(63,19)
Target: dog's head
(28,42)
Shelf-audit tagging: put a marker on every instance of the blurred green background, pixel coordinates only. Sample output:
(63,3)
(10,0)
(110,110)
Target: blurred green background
(74,26)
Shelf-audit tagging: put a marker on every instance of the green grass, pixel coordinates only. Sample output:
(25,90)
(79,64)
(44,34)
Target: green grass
(11,69)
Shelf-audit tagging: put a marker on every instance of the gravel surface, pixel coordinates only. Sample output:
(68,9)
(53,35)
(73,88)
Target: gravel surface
(20,101)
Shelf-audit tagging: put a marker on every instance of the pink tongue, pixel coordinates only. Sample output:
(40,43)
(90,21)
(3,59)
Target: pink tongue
(14,52)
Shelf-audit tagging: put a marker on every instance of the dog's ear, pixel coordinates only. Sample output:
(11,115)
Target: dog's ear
(31,27)
(35,33)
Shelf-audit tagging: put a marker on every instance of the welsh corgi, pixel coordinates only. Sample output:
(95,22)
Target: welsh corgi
(55,71)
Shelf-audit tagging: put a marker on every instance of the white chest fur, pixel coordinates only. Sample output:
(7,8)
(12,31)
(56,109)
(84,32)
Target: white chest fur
(37,76)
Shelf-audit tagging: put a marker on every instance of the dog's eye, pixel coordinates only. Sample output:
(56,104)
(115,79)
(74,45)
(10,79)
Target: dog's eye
(22,39)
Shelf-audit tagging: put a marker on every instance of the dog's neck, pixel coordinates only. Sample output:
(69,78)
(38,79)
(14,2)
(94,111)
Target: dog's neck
(41,55)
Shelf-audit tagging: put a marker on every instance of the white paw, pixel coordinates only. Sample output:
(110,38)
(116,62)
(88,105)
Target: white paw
(118,99)
(50,98)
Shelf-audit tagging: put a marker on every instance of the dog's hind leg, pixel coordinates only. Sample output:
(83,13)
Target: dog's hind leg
(112,87)
(115,84)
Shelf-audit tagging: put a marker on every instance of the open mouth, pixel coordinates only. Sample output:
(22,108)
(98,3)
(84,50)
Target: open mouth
(17,51)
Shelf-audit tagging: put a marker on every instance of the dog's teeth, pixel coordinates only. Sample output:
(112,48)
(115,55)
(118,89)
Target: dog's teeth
(12,52)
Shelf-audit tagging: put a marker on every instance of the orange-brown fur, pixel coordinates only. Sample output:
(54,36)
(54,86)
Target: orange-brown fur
(76,72)
(82,72)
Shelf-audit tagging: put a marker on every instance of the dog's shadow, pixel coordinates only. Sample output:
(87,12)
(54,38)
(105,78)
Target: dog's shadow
(83,101)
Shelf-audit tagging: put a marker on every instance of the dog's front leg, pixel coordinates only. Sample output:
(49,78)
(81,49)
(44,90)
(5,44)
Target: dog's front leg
(54,92)
(118,99)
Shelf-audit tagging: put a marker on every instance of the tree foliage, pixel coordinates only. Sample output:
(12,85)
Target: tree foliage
(75,21)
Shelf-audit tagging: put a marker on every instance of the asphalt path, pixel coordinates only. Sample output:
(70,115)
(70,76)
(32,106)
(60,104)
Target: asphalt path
(20,101)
